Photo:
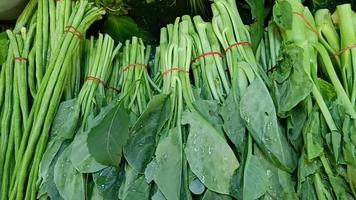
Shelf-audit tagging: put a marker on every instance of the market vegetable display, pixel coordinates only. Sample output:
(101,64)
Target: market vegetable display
(217,110)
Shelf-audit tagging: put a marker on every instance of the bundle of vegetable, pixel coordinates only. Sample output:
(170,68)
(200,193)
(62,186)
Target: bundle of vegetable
(319,108)
(19,174)
(75,157)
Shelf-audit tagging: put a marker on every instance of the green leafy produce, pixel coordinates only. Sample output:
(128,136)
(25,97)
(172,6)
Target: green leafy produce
(218,110)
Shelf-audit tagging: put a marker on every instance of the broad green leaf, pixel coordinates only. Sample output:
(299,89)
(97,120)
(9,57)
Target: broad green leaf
(291,83)
(107,136)
(168,172)
(107,182)
(282,14)
(138,190)
(66,119)
(259,114)
(130,177)
(69,181)
(142,142)
(210,195)
(48,186)
(280,185)
(233,125)
(80,156)
(208,154)
(209,109)
(4,47)
(49,155)
(255,179)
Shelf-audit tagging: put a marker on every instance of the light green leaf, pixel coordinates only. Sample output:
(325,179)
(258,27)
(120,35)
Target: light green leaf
(168,173)
(259,114)
(68,180)
(208,154)
(255,179)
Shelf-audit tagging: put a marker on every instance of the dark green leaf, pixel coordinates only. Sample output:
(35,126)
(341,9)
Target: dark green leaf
(68,180)
(291,83)
(233,125)
(66,119)
(259,114)
(107,182)
(168,173)
(258,15)
(255,179)
(138,190)
(108,135)
(208,154)
(142,141)
(80,156)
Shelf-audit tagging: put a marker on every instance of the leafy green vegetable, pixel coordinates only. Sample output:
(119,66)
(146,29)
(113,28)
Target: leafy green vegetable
(110,132)
(208,154)
(259,114)
(168,172)
(141,144)
(68,180)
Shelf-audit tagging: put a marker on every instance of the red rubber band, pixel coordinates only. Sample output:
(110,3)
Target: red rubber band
(243,43)
(106,85)
(307,23)
(134,65)
(344,49)
(21,59)
(206,55)
(74,31)
(174,69)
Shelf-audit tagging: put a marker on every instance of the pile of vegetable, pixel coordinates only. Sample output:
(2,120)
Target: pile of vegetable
(217,110)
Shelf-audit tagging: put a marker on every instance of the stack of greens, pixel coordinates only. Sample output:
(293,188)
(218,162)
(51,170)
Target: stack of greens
(213,113)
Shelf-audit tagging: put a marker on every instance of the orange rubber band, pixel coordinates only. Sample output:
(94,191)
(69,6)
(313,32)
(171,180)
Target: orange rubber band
(307,23)
(74,31)
(174,69)
(134,65)
(343,50)
(243,43)
(206,55)
(106,85)
(21,59)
